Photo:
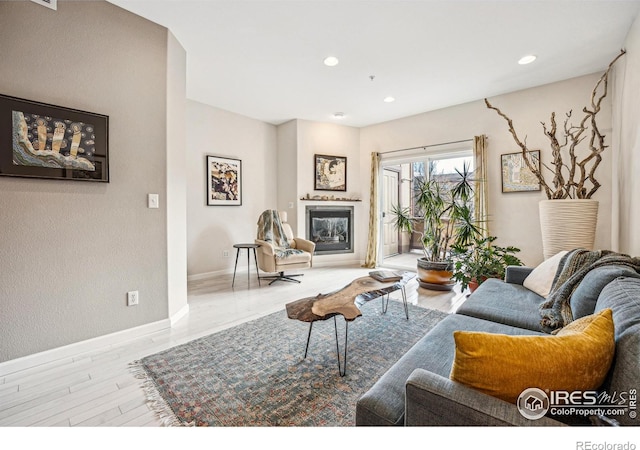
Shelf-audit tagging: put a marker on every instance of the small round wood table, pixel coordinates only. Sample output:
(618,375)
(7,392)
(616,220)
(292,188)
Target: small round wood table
(239,247)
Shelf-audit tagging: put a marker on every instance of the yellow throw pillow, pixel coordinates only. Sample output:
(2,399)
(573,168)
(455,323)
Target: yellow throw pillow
(578,357)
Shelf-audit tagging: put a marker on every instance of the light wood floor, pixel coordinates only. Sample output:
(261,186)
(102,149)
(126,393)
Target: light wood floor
(98,389)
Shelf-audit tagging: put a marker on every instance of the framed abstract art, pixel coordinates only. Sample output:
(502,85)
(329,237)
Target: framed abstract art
(330,173)
(224,181)
(516,176)
(39,140)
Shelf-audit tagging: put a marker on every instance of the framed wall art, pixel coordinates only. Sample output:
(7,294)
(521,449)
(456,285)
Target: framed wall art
(516,176)
(39,140)
(330,173)
(224,181)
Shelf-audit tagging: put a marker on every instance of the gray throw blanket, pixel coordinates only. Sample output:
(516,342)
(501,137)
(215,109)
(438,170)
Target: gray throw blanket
(270,230)
(556,310)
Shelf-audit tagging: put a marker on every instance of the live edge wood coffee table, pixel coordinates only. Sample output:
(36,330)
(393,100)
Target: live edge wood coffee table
(346,302)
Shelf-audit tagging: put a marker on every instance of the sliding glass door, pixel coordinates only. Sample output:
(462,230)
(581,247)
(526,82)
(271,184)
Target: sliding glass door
(400,178)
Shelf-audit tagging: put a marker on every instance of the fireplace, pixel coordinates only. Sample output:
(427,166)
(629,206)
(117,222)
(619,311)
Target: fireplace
(331,228)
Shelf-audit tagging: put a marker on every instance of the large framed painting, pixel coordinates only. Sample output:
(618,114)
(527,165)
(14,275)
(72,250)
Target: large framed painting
(330,173)
(39,140)
(224,181)
(516,176)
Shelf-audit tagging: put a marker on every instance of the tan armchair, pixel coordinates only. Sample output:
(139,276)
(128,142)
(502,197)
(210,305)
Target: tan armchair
(268,259)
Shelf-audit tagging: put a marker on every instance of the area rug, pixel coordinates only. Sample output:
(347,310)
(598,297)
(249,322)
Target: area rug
(255,374)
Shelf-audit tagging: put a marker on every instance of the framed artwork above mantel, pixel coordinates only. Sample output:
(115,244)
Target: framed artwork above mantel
(330,173)
(39,140)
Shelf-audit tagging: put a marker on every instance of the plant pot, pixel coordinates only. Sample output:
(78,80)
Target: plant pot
(567,224)
(435,275)
(473,285)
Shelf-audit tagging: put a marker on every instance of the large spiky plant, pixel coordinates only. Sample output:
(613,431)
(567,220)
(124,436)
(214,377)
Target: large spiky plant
(446,212)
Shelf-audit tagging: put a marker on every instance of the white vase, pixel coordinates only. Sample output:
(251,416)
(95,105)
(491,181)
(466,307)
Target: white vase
(567,224)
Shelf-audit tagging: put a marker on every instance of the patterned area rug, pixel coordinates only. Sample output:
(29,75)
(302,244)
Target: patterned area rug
(254,374)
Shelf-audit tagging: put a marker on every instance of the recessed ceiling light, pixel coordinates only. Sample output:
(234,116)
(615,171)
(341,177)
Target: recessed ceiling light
(331,61)
(338,115)
(527,59)
(389,99)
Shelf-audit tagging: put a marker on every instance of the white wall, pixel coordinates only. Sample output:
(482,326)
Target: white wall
(214,229)
(288,170)
(626,144)
(176,178)
(514,216)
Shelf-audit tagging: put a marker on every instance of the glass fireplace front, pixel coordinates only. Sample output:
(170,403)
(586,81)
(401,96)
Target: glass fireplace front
(331,228)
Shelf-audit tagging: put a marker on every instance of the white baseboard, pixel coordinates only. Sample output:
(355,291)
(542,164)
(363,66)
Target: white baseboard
(205,275)
(89,345)
(317,262)
(336,263)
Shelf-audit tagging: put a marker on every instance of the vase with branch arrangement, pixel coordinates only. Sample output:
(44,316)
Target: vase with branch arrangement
(576,154)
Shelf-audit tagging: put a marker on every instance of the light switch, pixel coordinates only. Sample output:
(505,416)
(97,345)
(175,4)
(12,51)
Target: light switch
(154,201)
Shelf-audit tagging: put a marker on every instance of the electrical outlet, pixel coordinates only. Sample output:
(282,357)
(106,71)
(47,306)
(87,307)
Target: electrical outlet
(225,253)
(132,298)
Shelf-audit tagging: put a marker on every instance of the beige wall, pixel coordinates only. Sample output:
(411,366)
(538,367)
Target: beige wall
(626,146)
(331,139)
(211,230)
(71,250)
(514,216)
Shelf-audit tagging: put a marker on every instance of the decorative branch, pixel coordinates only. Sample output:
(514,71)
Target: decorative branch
(577,178)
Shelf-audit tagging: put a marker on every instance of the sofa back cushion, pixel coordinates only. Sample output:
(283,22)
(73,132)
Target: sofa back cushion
(585,296)
(622,296)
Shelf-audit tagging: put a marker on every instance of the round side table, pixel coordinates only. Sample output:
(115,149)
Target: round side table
(248,247)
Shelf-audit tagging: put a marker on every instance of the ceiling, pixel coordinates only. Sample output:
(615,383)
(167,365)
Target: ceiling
(264,58)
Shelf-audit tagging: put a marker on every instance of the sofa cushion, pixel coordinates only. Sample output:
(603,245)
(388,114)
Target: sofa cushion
(506,303)
(384,403)
(584,297)
(541,277)
(623,297)
(577,358)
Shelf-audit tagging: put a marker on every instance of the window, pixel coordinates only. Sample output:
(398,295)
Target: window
(443,168)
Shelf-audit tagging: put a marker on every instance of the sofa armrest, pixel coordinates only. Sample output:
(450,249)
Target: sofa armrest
(433,400)
(516,274)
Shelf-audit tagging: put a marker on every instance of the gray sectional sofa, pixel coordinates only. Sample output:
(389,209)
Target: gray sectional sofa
(417,390)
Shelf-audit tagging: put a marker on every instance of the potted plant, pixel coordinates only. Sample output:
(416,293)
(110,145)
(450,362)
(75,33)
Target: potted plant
(576,151)
(476,262)
(444,208)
